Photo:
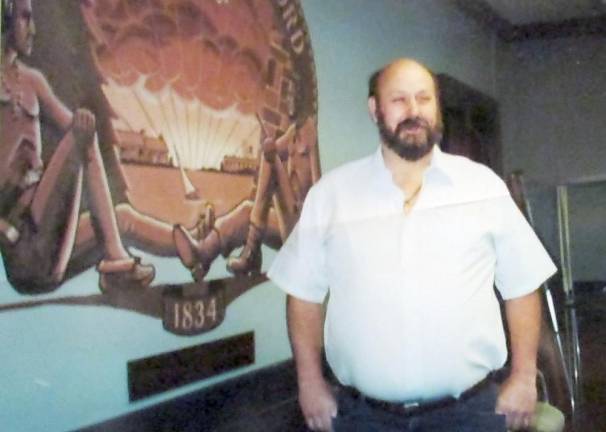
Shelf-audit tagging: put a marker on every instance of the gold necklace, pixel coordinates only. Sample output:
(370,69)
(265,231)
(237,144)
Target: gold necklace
(412,196)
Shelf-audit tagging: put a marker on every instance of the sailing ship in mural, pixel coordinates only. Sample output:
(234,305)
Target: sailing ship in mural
(182,128)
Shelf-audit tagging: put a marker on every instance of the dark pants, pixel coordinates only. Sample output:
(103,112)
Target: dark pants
(476,414)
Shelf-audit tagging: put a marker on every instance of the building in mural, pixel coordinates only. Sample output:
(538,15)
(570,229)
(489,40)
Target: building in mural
(135,147)
(242,165)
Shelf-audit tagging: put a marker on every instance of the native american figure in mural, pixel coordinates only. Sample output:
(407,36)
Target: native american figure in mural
(201,127)
(40,202)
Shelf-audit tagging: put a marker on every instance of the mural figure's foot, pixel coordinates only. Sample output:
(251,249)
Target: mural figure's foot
(250,259)
(9,234)
(191,254)
(206,222)
(124,274)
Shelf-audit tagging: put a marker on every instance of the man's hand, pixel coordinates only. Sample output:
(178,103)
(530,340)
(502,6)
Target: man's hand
(518,396)
(305,322)
(83,125)
(517,400)
(318,405)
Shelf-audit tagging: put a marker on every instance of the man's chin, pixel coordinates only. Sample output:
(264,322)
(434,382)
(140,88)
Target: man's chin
(414,136)
(411,152)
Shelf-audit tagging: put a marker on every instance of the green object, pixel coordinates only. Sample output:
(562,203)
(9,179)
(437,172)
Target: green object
(547,418)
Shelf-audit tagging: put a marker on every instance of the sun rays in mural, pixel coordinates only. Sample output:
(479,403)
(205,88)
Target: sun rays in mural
(184,80)
(196,136)
(189,73)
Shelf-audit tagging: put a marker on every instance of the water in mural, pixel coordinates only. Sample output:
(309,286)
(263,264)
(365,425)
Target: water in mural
(182,128)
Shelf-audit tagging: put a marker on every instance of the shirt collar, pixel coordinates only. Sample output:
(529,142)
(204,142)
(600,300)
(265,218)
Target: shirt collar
(438,169)
(439,166)
(379,167)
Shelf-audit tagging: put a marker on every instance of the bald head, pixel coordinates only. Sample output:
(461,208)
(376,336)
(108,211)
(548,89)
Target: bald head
(403,101)
(378,77)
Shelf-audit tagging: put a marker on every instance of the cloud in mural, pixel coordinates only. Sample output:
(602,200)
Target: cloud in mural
(215,55)
(171,65)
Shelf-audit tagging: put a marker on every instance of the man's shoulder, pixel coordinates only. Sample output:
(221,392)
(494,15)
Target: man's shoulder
(340,186)
(473,176)
(463,168)
(347,174)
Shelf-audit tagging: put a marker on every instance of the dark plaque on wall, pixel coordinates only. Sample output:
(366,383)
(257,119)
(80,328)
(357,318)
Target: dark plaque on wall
(167,371)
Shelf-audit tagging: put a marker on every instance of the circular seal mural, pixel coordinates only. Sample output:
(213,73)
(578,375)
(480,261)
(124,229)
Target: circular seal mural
(184,128)
(217,100)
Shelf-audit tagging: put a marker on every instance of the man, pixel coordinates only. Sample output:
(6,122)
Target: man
(408,244)
(40,223)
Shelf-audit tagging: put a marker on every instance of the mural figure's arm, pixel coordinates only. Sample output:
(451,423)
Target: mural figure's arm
(50,103)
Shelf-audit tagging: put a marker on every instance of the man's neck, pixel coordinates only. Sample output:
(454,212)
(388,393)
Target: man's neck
(407,175)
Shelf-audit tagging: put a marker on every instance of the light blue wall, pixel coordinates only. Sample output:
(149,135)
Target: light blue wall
(65,367)
(353,38)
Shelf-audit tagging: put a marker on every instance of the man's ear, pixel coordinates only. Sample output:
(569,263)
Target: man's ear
(372,108)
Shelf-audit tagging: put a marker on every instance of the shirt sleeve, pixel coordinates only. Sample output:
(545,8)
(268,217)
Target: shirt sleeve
(299,267)
(522,264)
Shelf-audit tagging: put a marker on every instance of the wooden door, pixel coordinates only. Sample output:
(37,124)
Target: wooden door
(471,123)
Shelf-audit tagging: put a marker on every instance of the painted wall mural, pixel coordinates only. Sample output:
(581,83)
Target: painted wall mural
(182,128)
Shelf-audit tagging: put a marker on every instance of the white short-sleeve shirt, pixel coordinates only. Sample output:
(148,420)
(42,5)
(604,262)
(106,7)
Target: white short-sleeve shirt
(412,313)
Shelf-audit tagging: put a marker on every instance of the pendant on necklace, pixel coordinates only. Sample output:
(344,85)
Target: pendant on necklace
(410,200)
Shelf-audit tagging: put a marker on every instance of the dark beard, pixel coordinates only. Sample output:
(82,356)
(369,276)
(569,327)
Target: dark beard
(408,149)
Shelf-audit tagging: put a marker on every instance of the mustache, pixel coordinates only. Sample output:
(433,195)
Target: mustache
(411,122)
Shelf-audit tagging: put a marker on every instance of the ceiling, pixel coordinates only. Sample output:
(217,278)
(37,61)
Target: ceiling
(525,12)
(526,19)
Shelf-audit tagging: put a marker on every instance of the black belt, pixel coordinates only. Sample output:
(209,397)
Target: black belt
(415,408)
